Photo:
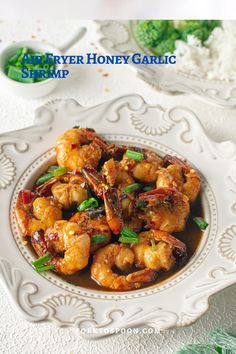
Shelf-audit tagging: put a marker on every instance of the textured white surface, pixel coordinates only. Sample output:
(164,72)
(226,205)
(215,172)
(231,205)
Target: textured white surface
(88,85)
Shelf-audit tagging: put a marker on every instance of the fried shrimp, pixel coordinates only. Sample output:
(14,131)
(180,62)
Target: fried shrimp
(102,214)
(35,213)
(67,190)
(166,210)
(115,176)
(64,237)
(110,197)
(162,253)
(178,174)
(93,226)
(122,257)
(144,170)
(78,147)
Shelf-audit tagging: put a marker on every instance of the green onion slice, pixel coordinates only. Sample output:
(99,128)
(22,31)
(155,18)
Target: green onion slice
(141,203)
(132,188)
(88,203)
(124,239)
(59,171)
(53,171)
(39,264)
(134,155)
(99,238)
(127,232)
(128,236)
(44,178)
(201,223)
(43,269)
(15,64)
(147,188)
(52,168)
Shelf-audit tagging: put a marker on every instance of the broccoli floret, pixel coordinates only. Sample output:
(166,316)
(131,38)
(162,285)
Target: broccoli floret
(210,24)
(160,35)
(167,45)
(199,28)
(151,32)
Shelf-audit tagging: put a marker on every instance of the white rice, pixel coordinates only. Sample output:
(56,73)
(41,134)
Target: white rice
(216,60)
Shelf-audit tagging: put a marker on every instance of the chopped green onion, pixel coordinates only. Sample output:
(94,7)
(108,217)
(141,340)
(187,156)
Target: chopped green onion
(99,238)
(52,168)
(126,231)
(147,188)
(52,172)
(39,264)
(202,224)
(59,171)
(124,239)
(15,64)
(88,203)
(43,269)
(44,178)
(134,155)
(132,188)
(16,74)
(154,246)
(76,127)
(141,204)
(128,236)
(42,260)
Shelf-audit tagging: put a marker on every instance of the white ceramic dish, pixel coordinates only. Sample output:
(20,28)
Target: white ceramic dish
(178,301)
(36,89)
(117,38)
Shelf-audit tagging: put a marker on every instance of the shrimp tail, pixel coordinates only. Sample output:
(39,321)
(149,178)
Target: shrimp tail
(113,210)
(158,195)
(141,276)
(94,179)
(173,160)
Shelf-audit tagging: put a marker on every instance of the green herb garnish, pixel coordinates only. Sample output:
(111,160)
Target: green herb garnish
(88,203)
(52,168)
(16,63)
(44,178)
(124,239)
(99,238)
(134,155)
(201,223)
(54,172)
(132,188)
(59,171)
(128,236)
(141,204)
(147,188)
(44,268)
(39,264)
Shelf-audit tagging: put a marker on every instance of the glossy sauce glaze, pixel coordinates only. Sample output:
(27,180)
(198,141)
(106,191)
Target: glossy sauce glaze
(191,236)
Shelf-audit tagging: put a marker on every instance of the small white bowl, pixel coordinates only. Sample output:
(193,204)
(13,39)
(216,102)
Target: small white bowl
(37,89)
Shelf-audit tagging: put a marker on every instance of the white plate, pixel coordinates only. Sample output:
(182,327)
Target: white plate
(117,38)
(178,301)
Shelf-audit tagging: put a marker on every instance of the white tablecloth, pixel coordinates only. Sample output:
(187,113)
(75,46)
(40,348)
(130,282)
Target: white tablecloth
(88,85)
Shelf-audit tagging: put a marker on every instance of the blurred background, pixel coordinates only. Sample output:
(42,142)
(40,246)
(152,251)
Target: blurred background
(118,9)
